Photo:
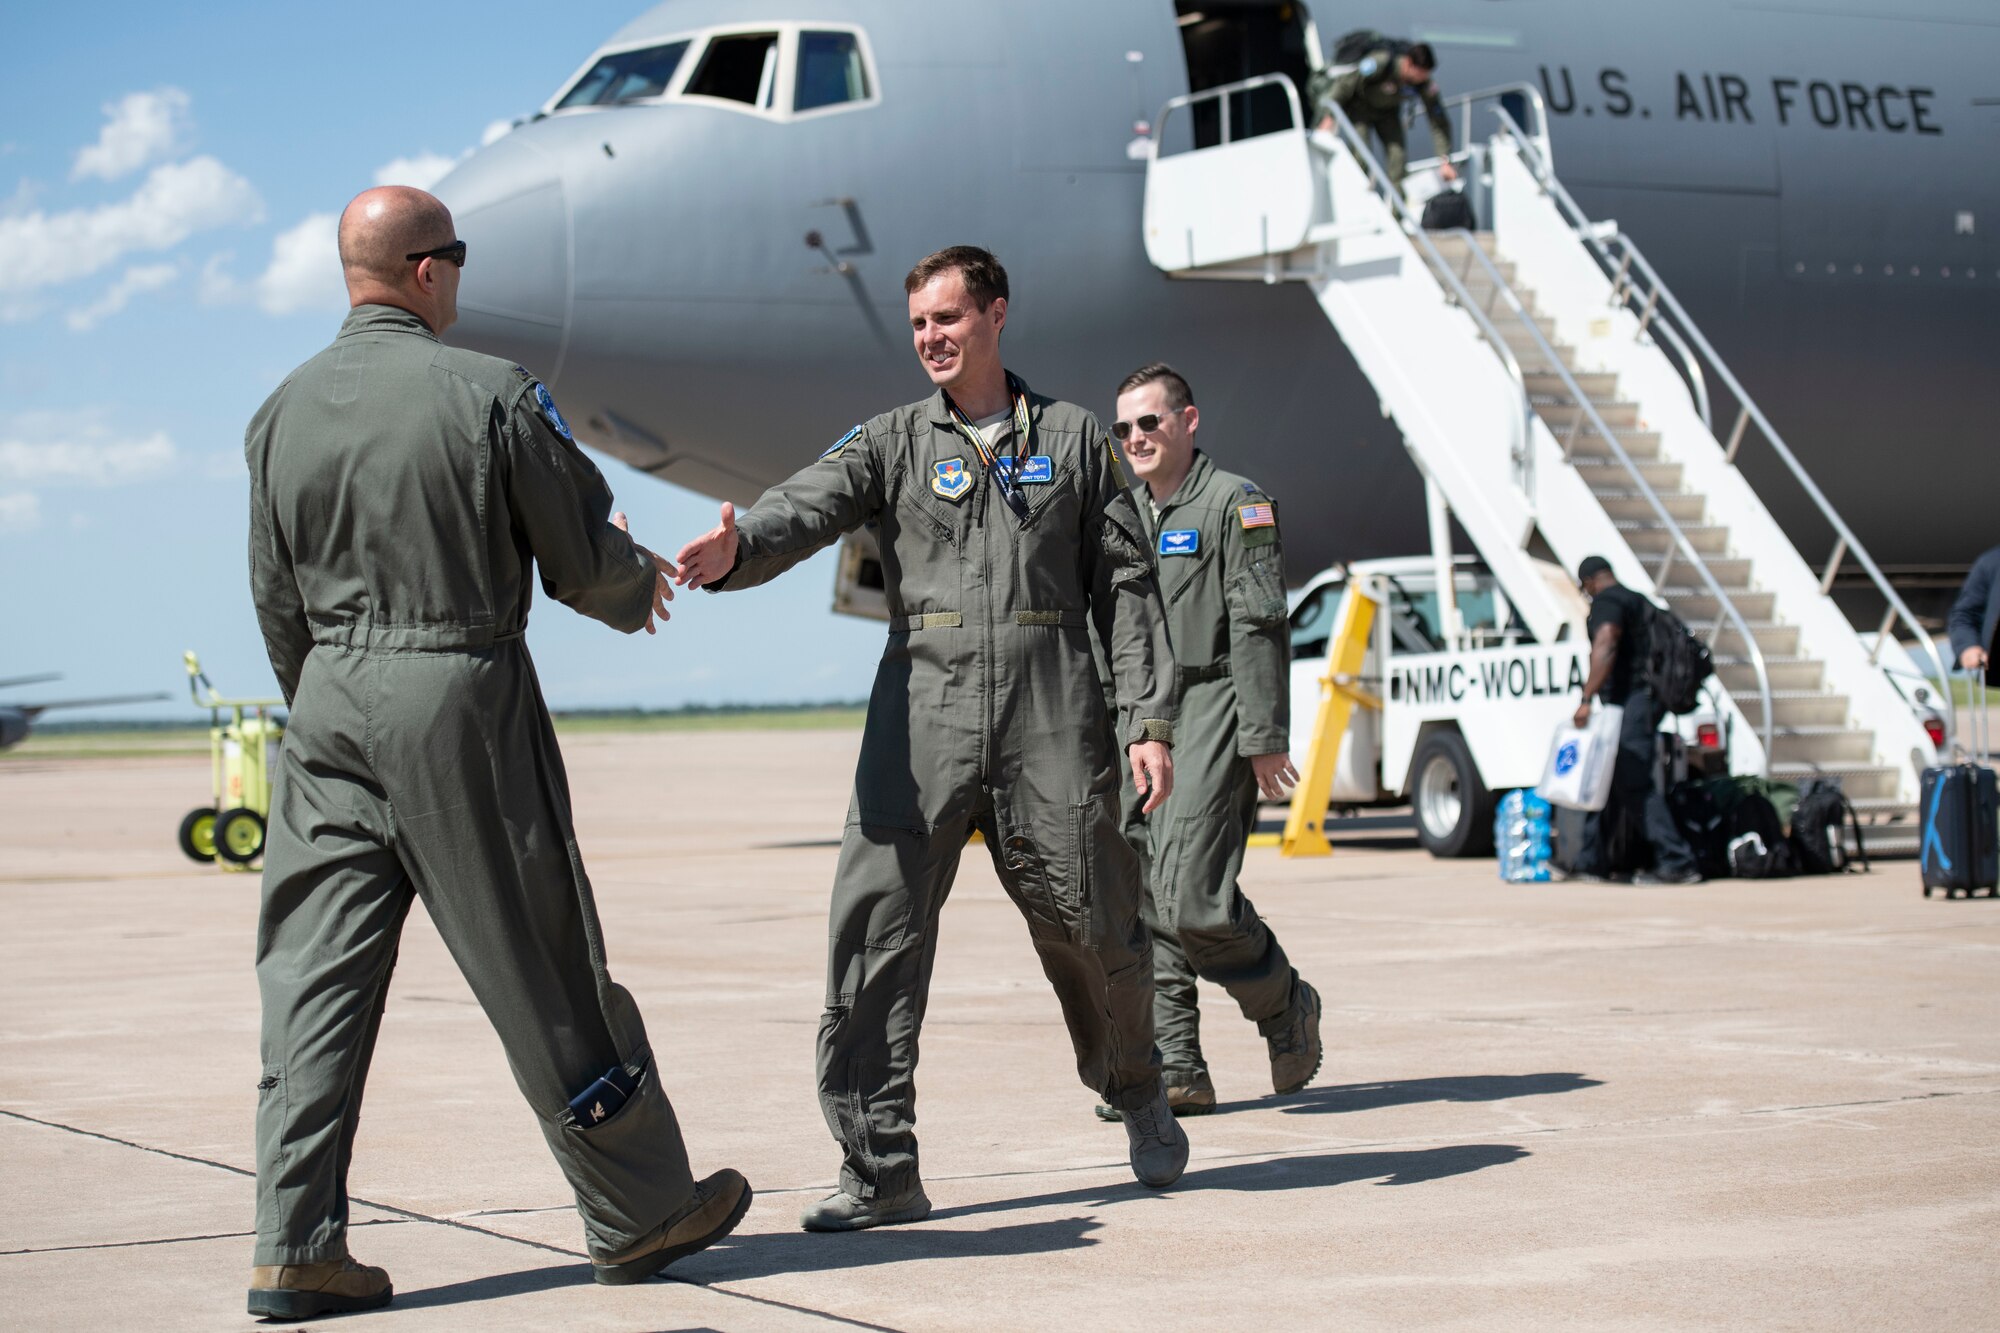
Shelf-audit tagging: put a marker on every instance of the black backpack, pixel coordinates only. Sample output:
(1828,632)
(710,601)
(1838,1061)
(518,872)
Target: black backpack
(1676,663)
(1758,847)
(1352,46)
(1699,818)
(1818,824)
(1449,210)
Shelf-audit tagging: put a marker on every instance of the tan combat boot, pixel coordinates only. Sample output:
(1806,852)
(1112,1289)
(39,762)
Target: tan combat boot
(719,1204)
(333,1286)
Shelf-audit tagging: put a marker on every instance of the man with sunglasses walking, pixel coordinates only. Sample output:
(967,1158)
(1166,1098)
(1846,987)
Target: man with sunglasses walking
(403,496)
(1214,539)
(1008,542)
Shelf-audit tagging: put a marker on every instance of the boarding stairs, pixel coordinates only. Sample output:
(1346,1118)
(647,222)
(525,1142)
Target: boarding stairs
(1550,386)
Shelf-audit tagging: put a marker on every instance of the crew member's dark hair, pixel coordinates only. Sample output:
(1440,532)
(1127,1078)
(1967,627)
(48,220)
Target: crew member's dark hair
(984,278)
(1159,372)
(1420,53)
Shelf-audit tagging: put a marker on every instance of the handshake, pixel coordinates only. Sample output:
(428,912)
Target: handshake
(701,562)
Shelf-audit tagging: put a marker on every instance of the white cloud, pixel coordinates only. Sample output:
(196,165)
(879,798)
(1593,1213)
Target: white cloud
(42,448)
(423,170)
(20,511)
(304,272)
(139,128)
(137,279)
(498,129)
(176,200)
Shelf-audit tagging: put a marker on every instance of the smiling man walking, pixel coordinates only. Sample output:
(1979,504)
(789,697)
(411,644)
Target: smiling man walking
(1007,542)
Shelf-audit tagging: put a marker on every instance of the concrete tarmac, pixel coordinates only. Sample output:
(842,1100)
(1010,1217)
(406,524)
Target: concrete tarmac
(1768,1105)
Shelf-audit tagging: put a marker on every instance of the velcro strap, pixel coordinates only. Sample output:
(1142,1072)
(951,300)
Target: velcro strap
(929,620)
(1156,729)
(1074,619)
(1196,675)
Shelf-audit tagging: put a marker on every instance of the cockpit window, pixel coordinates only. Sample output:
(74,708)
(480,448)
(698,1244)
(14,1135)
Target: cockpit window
(741,67)
(626,76)
(830,71)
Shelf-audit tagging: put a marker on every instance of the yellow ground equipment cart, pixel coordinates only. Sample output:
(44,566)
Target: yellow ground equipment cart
(243,751)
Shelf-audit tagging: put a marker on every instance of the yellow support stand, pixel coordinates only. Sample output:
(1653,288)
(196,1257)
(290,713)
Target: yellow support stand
(1339,696)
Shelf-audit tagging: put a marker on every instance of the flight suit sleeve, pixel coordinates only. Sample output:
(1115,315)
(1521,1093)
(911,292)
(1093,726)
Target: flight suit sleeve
(1125,602)
(1259,632)
(1331,85)
(808,511)
(1968,613)
(561,503)
(1440,123)
(274,588)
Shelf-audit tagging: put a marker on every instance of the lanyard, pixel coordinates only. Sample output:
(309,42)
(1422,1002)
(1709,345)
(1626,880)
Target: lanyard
(1000,469)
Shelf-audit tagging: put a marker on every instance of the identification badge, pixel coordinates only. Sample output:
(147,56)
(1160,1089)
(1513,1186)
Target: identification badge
(1183,541)
(1034,468)
(951,480)
(548,406)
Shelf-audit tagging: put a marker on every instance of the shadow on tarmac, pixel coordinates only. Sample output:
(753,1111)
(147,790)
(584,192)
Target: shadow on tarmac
(807,1252)
(496,1285)
(1404,1092)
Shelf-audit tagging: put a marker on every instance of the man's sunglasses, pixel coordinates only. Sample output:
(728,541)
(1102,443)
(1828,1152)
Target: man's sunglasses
(455,252)
(1148,424)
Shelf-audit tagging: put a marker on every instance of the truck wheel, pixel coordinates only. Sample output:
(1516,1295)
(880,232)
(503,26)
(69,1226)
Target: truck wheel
(197,835)
(1453,808)
(239,836)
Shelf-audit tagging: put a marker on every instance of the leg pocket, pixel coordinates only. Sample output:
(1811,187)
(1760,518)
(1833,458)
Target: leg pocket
(883,873)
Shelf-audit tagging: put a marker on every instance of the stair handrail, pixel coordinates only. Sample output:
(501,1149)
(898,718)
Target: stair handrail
(1686,548)
(1464,102)
(1524,451)
(1660,295)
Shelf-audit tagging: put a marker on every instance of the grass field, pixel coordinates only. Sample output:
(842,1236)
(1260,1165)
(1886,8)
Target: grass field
(60,743)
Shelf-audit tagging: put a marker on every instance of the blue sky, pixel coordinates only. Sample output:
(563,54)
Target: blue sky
(167,183)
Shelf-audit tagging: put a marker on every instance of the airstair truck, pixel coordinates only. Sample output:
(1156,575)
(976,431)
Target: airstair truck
(1560,402)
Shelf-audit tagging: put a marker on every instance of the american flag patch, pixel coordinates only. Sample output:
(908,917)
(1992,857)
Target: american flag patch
(1257,516)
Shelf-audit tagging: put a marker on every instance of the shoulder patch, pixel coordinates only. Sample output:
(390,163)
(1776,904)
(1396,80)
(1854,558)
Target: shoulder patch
(1369,65)
(548,406)
(1259,515)
(841,443)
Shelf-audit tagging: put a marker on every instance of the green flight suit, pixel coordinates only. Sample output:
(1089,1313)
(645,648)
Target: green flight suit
(401,491)
(1372,96)
(1215,542)
(986,714)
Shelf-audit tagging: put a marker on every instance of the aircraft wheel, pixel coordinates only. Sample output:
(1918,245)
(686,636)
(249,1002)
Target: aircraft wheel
(1453,808)
(197,835)
(239,836)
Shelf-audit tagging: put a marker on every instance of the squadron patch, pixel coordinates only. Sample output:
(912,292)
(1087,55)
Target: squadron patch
(1368,67)
(1182,541)
(841,443)
(548,406)
(950,479)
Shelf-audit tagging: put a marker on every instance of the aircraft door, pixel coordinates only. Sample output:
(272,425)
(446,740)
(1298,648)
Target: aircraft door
(1239,39)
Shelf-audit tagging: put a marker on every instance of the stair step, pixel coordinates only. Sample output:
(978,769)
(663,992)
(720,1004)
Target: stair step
(1822,745)
(1450,244)
(1774,640)
(1600,386)
(1698,606)
(1858,781)
(1603,469)
(1649,538)
(1729,571)
(1793,708)
(1640,444)
(1560,412)
(1786,673)
(1622,503)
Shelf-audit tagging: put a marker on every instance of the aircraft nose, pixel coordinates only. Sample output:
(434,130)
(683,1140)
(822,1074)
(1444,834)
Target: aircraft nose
(513,300)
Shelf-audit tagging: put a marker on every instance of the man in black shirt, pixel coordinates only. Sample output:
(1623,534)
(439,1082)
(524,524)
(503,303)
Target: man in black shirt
(1620,621)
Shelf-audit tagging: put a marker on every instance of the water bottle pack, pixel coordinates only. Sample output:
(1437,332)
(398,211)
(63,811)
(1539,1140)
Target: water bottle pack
(1521,835)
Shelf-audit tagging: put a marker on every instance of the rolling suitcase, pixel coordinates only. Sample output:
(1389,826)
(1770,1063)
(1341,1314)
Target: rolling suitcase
(1960,808)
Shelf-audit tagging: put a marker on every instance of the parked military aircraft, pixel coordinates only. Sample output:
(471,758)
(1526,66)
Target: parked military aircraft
(17,720)
(700,238)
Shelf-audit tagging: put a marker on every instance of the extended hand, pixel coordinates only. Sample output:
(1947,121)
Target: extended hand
(1447,171)
(1152,773)
(712,555)
(1972,658)
(1275,775)
(1582,718)
(663,571)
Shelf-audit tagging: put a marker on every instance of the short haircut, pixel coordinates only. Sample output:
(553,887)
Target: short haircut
(1420,53)
(984,278)
(1172,383)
